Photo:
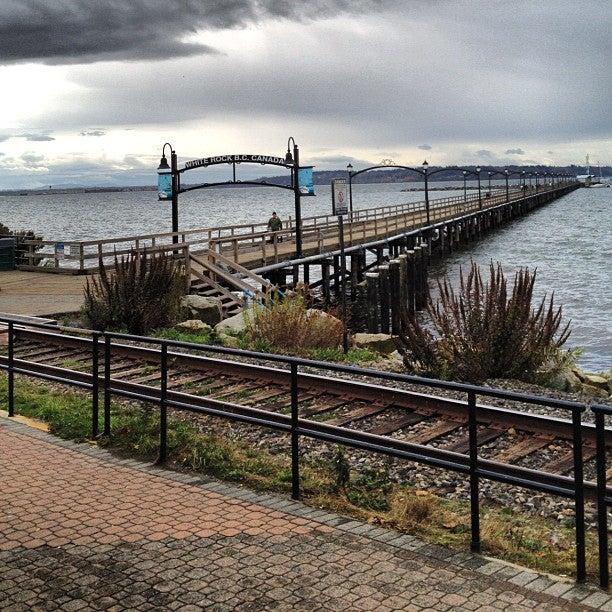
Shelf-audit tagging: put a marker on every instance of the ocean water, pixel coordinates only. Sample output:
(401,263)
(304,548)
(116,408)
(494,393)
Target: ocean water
(568,241)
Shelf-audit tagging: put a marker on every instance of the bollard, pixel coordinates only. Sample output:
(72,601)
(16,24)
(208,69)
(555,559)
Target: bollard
(163,406)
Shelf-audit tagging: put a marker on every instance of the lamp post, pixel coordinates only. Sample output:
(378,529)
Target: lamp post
(425,168)
(489,173)
(294,159)
(536,181)
(479,191)
(349,169)
(524,179)
(506,172)
(163,170)
(464,186)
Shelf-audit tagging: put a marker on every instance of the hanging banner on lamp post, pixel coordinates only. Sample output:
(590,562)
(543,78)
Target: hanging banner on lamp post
(164,185)
(339,197)
(306,181)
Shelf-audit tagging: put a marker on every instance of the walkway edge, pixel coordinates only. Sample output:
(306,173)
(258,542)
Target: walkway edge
(535,582)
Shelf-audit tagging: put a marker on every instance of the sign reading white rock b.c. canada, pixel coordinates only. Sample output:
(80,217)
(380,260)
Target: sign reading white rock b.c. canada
(230,159)
(339,197)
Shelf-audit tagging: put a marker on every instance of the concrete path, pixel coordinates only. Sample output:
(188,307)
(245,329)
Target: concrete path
(40,293)
(82,530)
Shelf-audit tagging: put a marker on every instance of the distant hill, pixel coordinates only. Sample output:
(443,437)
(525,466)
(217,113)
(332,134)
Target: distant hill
(324,177)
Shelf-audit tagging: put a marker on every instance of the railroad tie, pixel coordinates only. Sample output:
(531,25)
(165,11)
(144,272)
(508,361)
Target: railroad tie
(485,435)
(436,431)
(565,463)
(358,414)
(402,421)
(327,406)
(524,448)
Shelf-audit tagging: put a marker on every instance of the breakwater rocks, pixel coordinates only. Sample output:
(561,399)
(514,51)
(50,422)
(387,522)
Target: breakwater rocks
(596,385)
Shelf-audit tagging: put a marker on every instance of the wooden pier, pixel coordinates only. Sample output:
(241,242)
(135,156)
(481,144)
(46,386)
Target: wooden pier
(242,262)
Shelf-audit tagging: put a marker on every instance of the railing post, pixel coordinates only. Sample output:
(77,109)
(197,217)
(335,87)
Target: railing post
(579,495)
(95,385)
(107,385)
(474,496)
(11,373)
(163,407)
(295,448)
(602,508)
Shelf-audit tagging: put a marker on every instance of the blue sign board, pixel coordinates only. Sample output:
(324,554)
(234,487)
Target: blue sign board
(164,185)
(306,181)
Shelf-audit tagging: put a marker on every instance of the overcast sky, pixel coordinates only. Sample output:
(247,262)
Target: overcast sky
(92,90)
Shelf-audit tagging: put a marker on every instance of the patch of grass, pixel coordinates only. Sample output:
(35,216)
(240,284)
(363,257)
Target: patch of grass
(354,356)
(369,495)
(183,335)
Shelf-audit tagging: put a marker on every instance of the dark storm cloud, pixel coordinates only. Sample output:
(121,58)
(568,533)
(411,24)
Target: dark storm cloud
(82,31)
(517,151)
(424,147)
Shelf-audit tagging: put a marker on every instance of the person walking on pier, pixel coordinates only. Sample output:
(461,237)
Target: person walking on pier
(275,225)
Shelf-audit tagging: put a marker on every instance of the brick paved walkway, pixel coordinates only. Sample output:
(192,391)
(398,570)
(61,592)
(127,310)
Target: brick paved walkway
(82,530)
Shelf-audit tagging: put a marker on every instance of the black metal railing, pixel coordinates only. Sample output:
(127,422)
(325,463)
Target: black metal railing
(471,465)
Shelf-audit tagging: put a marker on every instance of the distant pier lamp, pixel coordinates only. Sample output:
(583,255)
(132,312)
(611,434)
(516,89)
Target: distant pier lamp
(490,174)
(523,176)
(478,170)
(465,186)
(349,169)
(536,181)
(425,170)
(167,185)
(506,173)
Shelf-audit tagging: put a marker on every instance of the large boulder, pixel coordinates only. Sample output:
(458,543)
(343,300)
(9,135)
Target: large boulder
(233,325)
(379,343)
(565,381)
(205,309)
(194,325)
(596,380)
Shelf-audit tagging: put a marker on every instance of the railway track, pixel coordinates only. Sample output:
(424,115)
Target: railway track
(511,437)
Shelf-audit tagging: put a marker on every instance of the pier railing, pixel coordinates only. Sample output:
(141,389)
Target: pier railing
(83,256)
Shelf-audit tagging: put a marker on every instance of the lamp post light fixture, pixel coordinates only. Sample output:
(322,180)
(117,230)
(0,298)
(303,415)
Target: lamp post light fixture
(479,190)
(349,169)
(425,169)
(167,185)
(465,186)
(506,173)
(293,159)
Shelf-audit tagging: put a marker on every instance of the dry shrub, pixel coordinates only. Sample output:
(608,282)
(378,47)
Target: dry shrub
(410,509)
(287,325)
(141,293)
(483,331)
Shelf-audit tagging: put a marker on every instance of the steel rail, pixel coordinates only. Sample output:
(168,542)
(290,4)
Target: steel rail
(501,418)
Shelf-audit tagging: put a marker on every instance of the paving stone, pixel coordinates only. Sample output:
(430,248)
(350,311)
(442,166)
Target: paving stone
(91,531)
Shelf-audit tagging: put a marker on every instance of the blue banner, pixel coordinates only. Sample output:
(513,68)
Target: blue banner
(164,185)
(306,181)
